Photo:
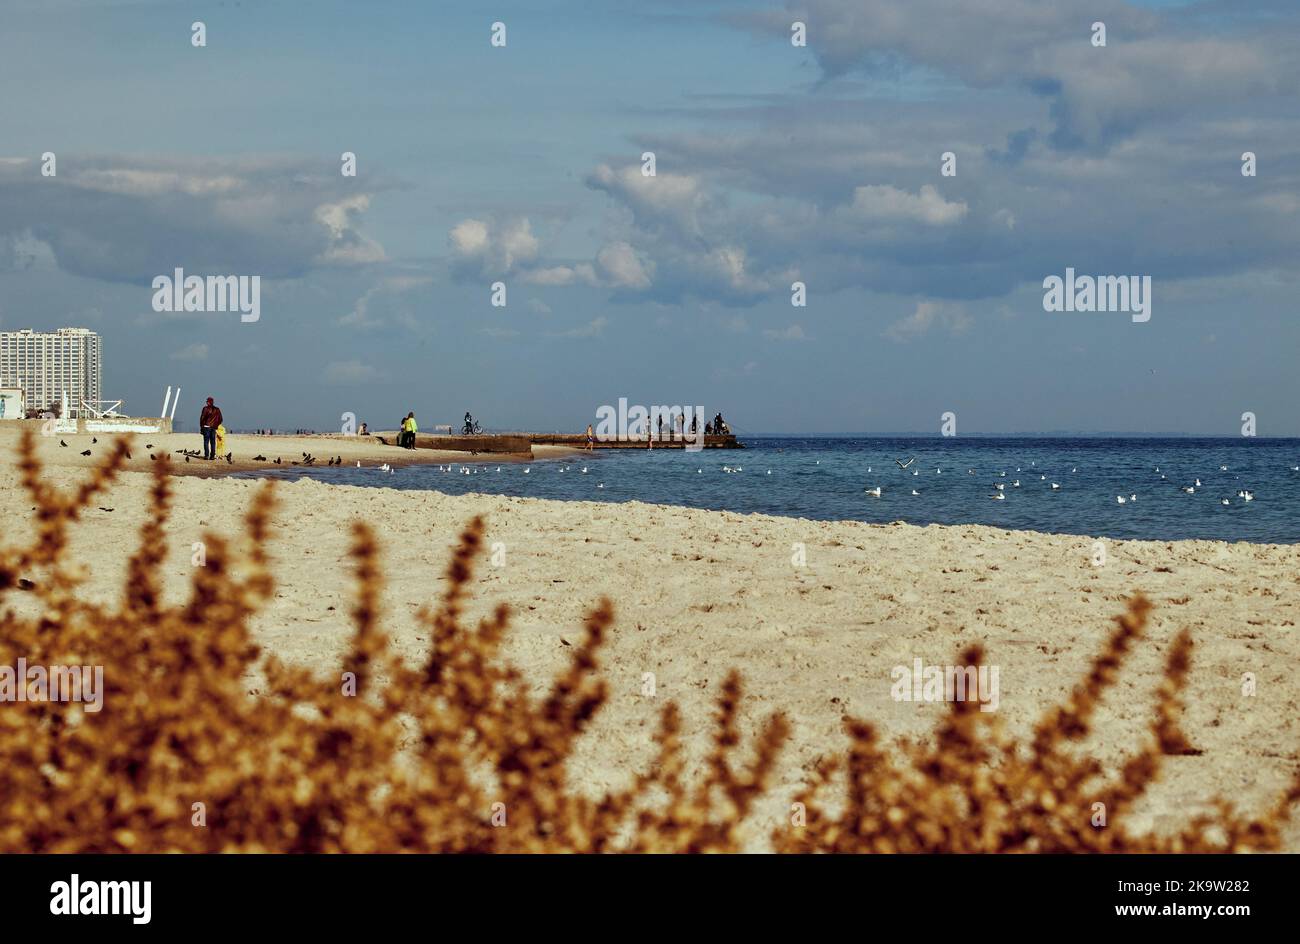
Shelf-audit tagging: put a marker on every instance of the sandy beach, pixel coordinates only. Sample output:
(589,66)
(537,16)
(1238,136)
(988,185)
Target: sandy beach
(698,592)
(368,450)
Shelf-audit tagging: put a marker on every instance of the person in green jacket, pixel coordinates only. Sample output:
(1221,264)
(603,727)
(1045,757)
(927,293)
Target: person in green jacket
(409,429)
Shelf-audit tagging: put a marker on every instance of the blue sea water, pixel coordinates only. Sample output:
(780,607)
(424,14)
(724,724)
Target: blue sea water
(827,478)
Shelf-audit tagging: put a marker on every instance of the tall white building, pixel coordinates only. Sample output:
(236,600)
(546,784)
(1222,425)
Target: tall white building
(46,364)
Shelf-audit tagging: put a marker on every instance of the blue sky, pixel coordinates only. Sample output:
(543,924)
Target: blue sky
(774,164)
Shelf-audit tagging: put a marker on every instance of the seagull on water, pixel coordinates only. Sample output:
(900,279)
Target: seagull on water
(915,492)
(998,497)
(874,492)
(1120,498)
(1055,486)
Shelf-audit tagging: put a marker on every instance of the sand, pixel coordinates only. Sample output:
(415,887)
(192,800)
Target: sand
(698,592)
(368,450)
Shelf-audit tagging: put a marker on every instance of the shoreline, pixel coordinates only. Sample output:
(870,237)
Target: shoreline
(367,450)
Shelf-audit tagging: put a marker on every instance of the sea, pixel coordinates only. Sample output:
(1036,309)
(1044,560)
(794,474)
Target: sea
(922,480)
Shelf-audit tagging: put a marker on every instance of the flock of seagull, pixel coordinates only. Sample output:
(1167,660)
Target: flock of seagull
(999,488)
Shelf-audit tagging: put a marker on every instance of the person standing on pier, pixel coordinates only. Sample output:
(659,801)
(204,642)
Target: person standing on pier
(591,439)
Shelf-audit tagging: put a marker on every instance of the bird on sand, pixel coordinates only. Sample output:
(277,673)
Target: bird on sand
(86,453)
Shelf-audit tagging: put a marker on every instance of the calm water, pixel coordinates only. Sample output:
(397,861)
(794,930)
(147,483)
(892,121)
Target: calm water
(826,478)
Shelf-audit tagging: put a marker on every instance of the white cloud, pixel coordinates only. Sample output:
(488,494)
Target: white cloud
(483,248)
(350,372)
(793,333)
(622,268)
(927,315)
(883,202)
(590,330)
(191,352)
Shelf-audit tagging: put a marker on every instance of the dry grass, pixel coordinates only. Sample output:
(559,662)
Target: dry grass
(455,755)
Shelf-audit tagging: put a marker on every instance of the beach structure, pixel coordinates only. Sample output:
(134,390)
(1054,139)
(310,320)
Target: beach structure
(12,403)
(579,440)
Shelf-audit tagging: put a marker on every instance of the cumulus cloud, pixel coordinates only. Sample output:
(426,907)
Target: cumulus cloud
(1154,67)
(481,248)
(348,372)
(885,203)
(361,315)
(128,219)
(793,333)
(191,352)
(928,315)
(591,329)
(622,268)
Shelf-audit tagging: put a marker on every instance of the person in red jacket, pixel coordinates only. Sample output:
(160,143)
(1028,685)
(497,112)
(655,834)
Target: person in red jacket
(209,420)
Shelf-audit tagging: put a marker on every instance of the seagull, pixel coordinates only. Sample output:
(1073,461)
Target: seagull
(915,492)
(63,444)
(1247,496)
(1223,468)
(1132,498)
(1225,502)
(904,465)
(999,486)
(1042,478)
(600,484)
(916,471)
(874,492)
(259,458)
(86,453)
(1055,486)
(1120,499)
(1188,489)
(526,470)
(1016,483)
(998,497)
(1198,483)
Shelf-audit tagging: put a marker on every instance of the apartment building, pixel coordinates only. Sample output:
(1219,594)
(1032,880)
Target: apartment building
(47,364)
